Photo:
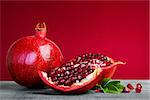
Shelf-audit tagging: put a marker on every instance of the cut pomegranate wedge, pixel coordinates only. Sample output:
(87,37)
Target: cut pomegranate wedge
(70,80)
(80,74)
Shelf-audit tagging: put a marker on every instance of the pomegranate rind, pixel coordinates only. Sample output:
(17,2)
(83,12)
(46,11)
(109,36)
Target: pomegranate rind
(74,88)
(25,73)
(109,71)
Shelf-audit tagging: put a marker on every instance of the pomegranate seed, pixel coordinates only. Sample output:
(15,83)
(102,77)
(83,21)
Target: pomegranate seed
(66,77)
(55,78)
(60,78)
(138,85)
(62,81)
(77,81)
(138,90)
(126,90)
(63,68)
(72,72)
(72,67)
(58,75)
(68,68)
(90,71)
(72,79)
(82,65)
(97,61)
(78,59)
(80,70)
(97,90)
(62,74)
(67,73)
(68,82)
(105,58)
(83,75)
(76,69)
(52,74)
(79,77)
(71,63)
(56,82)
(108,63)
(102,56)
(130,86)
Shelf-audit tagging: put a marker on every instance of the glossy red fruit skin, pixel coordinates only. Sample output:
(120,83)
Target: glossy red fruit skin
(28,54)
(109,71)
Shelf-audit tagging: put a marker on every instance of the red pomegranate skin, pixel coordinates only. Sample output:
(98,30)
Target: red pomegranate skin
(109,71)
(30,53)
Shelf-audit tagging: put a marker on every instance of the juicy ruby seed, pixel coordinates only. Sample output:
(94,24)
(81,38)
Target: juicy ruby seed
(138,90)
(130,86)
(138,85)
(126,90)
(97,90)
(77,69)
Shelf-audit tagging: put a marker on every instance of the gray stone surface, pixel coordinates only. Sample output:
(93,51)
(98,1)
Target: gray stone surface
(9,90)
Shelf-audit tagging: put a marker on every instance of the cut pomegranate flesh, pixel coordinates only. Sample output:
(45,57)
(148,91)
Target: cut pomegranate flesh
(79,74)
(72,80)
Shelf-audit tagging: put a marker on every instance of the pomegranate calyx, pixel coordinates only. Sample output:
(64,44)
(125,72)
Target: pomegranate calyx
(41,30)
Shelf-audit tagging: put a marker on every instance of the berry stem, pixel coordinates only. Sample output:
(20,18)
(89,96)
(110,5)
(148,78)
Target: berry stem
(41,30)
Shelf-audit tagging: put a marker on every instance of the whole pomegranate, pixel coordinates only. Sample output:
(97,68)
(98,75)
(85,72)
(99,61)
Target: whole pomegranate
(30,53)
(80,74)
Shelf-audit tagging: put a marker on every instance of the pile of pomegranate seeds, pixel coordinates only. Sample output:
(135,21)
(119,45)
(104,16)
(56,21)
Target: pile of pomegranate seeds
(78,69)
(129,88)
(93,58)
(71,74)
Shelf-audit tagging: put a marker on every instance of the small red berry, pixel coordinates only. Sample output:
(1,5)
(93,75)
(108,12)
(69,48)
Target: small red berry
(138,90)
(126,90)
(97,90)
(130,86)
(138,85)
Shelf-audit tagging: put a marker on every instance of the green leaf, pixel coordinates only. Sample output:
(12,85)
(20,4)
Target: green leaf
(102,88)
(120,87)
(105,81)
(108,86)
(112,87)
(105,89)
(112,91)
(112,83)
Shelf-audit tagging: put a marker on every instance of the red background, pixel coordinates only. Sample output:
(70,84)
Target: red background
(117,29)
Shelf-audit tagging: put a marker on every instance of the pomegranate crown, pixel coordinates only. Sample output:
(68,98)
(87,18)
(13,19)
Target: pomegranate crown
(41,30)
